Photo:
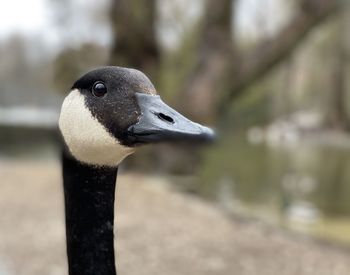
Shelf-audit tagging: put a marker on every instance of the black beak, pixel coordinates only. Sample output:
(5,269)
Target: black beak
(159,122)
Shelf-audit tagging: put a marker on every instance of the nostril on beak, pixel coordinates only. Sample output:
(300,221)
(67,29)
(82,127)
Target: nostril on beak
(164,117)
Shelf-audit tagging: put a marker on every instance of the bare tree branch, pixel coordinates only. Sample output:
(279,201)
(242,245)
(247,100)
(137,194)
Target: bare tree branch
(269,53)
(220,75)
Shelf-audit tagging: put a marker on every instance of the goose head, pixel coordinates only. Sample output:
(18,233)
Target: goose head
(112,110)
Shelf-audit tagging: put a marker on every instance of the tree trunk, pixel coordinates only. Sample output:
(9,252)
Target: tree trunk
(214,49)
(338,114)
(135,44)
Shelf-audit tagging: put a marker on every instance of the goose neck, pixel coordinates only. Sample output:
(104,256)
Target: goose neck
(89,206)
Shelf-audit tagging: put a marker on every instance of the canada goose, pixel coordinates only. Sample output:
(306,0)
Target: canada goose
(108,112)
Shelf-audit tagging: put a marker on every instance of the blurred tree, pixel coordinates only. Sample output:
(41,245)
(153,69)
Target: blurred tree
(25,78)
(338,116)
(268,53)
(214,49)
(134,36)
(222,74)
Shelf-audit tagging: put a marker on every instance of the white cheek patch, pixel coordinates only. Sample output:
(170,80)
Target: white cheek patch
(86,138)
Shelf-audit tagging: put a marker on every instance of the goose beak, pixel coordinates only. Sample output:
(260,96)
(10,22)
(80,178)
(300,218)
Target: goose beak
(159,122)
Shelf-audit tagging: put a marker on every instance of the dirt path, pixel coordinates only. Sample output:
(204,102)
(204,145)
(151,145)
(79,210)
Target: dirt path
(160,231)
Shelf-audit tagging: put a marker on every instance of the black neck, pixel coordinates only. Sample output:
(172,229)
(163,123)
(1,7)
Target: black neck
(89,203)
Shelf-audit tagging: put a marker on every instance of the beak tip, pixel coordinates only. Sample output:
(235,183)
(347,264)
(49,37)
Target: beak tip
(208,134)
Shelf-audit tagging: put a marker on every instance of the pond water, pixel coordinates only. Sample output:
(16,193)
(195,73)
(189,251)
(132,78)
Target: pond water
(303,187)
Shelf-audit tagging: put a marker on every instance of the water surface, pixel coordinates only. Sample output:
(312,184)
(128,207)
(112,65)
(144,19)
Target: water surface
(304,186)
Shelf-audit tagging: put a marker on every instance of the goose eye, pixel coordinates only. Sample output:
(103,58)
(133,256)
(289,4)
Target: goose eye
(99,89)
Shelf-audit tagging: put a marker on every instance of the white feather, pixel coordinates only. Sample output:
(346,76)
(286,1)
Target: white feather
(87,139)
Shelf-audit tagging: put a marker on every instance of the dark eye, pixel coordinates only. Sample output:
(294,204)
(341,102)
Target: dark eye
(99,89)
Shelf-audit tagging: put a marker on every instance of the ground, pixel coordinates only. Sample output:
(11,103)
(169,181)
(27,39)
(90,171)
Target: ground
(159,231)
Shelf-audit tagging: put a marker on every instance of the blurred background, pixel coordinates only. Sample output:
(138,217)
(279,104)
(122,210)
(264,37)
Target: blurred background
(271,196)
